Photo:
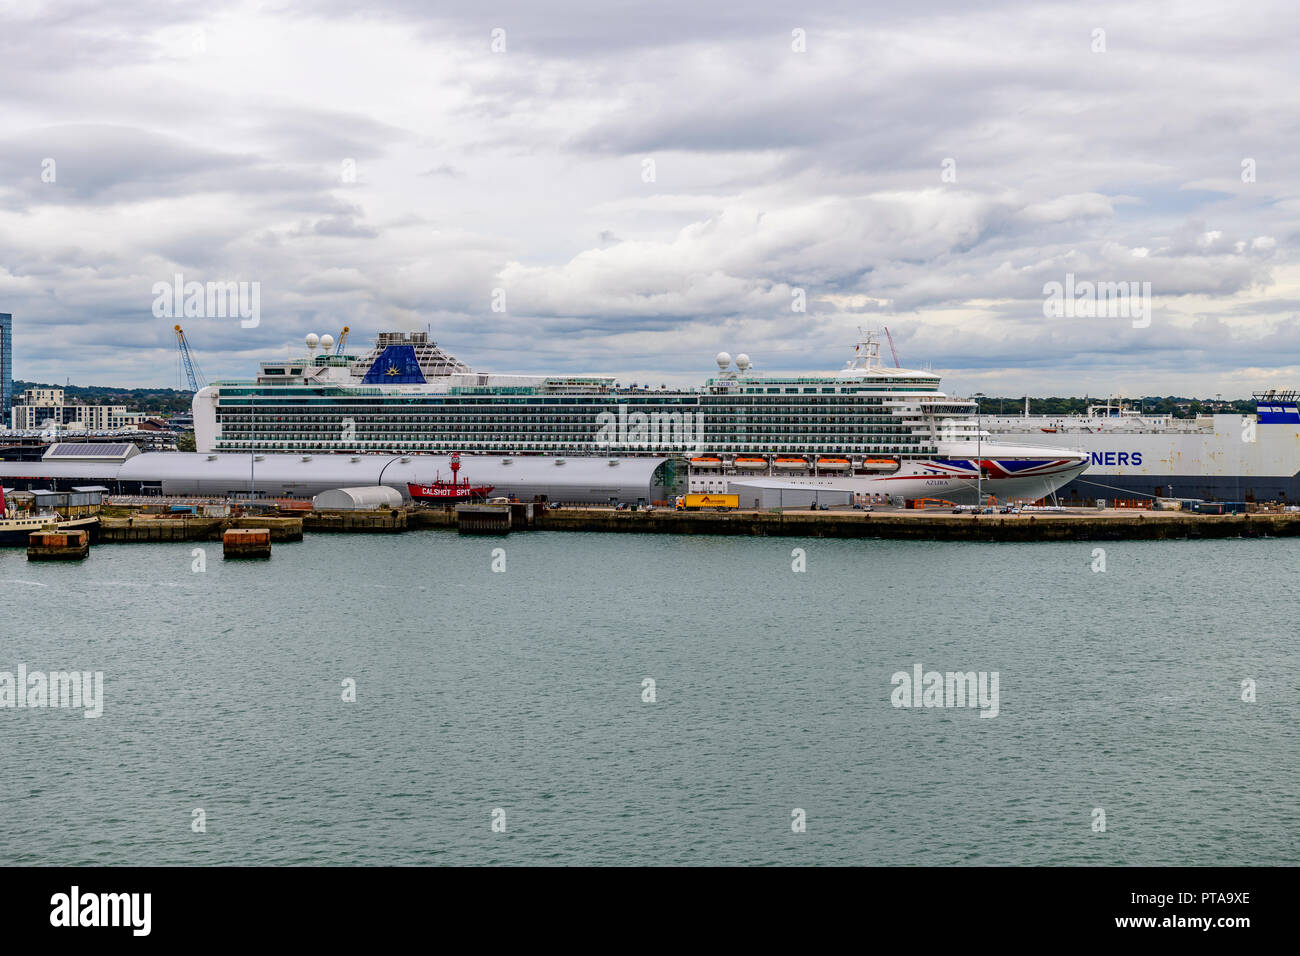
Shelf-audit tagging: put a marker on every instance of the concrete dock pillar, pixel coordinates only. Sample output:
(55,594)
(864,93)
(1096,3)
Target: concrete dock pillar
(483,519)
(57,545)
(246,543)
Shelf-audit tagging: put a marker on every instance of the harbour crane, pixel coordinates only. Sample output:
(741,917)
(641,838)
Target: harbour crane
(186,358)
(343,337)
(892,350)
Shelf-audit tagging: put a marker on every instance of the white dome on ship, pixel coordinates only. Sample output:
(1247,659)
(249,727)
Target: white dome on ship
(312,340)
(327,342)
(742,361)
(723,359)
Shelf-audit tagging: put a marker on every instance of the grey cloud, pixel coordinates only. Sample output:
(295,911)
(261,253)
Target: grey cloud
(776,170)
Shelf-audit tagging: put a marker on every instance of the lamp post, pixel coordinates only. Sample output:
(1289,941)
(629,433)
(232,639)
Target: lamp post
(979,452)
(252,452)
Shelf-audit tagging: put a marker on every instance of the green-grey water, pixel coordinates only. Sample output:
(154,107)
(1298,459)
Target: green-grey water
(523,691)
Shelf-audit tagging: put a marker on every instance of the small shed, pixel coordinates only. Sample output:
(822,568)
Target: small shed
(368,498)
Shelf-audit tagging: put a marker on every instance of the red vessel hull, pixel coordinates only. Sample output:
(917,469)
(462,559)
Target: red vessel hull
(444,491)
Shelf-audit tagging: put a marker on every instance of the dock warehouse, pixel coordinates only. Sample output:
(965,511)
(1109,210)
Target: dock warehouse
(579,479)
(767,494)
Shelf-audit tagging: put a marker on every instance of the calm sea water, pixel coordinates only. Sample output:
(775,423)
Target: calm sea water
(523,691)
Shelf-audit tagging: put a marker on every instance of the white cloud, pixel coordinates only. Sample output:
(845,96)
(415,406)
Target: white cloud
(773,170)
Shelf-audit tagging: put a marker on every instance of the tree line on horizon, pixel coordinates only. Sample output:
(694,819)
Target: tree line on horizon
(135,399)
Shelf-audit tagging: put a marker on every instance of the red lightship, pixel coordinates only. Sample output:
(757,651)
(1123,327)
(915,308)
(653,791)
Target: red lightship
(448,492)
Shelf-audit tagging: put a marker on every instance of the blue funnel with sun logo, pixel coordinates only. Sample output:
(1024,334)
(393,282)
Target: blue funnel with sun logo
(396,365)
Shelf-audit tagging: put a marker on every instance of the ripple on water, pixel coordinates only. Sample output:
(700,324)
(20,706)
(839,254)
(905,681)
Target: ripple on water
(523,692)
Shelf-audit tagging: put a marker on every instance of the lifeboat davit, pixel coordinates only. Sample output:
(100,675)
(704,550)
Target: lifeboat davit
(751,464)
(790,464)
(833,464)
(879,464)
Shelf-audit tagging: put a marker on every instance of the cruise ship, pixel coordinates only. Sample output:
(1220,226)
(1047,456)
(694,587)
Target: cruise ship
(1209,457)
(865,428)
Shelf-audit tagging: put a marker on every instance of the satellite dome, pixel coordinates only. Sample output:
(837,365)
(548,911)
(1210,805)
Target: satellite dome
(723,359)
(742,361)
(327,342)
(312,340)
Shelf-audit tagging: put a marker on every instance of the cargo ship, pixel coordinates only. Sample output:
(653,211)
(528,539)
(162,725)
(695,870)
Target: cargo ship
(1236,458)
(865,428)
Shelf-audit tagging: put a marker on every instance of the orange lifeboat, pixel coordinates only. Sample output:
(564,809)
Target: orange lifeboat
(790,464)
(879,464)
(706,462)
(833,464)
(751,464)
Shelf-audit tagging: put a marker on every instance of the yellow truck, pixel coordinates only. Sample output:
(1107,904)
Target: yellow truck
(701,502)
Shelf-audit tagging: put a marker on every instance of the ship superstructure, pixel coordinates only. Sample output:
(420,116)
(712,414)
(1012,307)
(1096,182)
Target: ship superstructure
(1212,457)
(865,427)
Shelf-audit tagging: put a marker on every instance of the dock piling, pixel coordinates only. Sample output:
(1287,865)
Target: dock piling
(246,543)
(57,545)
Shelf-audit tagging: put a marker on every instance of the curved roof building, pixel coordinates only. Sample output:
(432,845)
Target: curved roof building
(369,498)
(578,479)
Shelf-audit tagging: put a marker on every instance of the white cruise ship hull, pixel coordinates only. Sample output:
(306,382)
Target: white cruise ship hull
(1011,472)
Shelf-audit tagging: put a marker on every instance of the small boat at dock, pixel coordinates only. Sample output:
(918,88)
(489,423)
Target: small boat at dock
(16,526)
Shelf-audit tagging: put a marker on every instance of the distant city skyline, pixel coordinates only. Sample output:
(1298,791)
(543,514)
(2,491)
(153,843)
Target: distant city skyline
(584,188)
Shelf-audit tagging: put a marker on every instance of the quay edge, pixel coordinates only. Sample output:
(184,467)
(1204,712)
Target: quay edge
(1022,528)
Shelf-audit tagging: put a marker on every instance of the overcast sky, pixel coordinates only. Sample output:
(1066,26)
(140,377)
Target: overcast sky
(650,183)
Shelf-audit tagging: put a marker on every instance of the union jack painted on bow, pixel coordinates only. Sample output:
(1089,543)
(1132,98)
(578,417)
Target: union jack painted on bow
(1006,468)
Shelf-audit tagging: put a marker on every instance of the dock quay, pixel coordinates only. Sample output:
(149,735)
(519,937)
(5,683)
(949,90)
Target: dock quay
(496,517)
(388,521)
(192,528)
(1110,525)
(483,519)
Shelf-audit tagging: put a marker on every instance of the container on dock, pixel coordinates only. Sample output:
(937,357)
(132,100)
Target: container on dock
(57,545)
(1221,507)
(246,543)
